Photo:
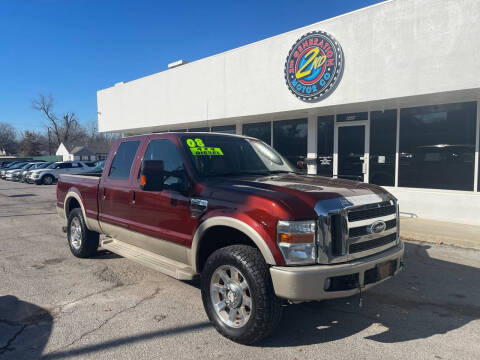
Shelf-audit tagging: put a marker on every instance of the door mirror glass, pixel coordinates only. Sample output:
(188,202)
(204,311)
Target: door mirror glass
(162,167)
(152,175)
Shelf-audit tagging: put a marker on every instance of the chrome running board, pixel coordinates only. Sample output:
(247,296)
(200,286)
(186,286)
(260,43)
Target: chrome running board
(149,259)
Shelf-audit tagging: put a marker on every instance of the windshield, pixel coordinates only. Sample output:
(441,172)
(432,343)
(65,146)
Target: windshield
(41,165)
(98,166)
(52,166)
(219,155)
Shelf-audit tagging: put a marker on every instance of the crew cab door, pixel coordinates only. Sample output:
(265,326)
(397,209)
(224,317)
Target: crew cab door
(163,217)
(115,191)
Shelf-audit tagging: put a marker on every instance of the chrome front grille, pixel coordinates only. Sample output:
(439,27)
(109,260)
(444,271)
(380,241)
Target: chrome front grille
(381,209)
(362,239)
(346,231)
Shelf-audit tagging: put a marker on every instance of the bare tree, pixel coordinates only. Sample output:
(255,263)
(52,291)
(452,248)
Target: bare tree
(65,128)
(31,143)
(8,138)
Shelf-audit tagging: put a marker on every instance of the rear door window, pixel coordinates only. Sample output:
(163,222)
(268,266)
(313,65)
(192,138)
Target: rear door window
(123,160)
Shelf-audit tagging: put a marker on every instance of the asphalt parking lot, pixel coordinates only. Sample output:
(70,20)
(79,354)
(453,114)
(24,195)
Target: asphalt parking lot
(55,306)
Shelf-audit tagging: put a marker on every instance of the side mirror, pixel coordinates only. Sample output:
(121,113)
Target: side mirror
(152,175)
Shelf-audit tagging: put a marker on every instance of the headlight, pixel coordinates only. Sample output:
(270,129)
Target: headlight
(296,240)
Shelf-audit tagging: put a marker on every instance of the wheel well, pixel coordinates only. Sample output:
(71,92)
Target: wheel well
(218,237)
(72,204)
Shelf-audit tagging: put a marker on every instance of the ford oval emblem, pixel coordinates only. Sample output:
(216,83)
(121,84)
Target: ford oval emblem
(377,227)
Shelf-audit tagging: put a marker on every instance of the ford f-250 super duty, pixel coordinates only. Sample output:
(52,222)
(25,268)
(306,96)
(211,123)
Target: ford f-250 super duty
(233,211)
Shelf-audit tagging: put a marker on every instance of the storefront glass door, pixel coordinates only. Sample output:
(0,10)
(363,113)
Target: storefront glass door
(351,152)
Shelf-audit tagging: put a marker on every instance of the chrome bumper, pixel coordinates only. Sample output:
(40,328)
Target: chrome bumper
(304,283)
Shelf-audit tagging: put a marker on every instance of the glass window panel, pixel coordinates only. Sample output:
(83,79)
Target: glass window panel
(200,129)
(123,160)
(437,146)
(290,139)
(383,135)
(166,151)
(261,131)
(325,145)
(352,116)
(226,129)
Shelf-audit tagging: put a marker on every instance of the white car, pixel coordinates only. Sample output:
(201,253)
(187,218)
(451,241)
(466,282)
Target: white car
(12,175)
(50,174)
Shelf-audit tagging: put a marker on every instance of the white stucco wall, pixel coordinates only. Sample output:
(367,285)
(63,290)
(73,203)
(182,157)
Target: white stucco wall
(396,49)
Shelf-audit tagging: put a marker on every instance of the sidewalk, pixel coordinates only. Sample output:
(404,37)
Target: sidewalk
(439,232)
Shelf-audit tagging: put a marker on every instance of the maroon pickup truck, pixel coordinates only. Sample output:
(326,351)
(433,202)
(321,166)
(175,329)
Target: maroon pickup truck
(233,211)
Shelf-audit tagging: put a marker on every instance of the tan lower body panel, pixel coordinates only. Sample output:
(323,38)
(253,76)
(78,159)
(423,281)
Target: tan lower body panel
(305,283)
(151,244)
(151,260)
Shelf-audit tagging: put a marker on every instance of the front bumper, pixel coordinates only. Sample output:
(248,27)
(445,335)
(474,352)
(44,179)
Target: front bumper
(305,283)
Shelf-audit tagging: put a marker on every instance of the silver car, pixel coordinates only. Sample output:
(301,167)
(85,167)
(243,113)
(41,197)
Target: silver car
(50,174)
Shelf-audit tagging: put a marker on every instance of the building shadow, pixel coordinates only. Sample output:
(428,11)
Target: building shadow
(429,297)
(24,328)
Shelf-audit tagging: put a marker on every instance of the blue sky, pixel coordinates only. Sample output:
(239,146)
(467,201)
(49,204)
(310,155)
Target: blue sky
(72,48)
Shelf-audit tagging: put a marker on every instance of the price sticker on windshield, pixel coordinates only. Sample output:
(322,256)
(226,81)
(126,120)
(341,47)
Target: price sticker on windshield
(197,147)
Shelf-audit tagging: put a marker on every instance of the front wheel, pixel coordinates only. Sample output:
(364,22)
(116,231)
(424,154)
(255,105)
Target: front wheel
(238,295)
(83,242)
(48,180)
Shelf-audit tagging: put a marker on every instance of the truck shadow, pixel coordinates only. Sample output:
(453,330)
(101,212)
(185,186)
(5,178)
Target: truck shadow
(24,328)
(430,297)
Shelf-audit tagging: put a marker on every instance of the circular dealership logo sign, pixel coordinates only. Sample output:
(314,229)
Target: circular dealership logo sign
(314,66)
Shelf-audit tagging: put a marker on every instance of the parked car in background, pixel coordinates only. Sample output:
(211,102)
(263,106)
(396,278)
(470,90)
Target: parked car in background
(6,164)
(13,175)
(96,170)
(16,166)
(50,174)
(24,174)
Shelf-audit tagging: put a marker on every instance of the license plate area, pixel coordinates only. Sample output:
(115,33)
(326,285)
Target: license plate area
(380,272)
(385,270)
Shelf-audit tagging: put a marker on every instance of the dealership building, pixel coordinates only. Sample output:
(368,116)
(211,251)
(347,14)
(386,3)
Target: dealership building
(387,94)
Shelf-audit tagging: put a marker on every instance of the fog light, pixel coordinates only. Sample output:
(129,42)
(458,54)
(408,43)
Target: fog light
(327,284)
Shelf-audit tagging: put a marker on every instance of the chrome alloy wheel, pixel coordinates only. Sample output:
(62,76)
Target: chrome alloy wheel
(75,233)
(230,295)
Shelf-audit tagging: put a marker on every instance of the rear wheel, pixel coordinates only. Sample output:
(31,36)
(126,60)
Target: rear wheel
(83,242)
(48,180)
(238,294)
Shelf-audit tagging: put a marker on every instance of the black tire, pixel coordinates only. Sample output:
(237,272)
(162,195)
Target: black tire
(88,239)
(48,180)
(266,310)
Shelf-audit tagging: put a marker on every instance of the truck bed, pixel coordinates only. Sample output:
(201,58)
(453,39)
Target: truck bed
(84,185)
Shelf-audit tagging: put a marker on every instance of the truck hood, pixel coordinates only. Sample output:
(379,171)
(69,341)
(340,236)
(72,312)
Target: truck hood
(300,193)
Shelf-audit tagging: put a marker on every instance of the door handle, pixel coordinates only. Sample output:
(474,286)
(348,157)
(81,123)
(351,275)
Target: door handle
(104,196)
(134,195)
(197,207)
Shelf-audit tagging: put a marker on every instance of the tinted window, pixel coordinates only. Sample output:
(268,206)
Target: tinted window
(123,160)
(261,131)
(166,151)
(437,146)
(383,135)
(64,166)
(227,129)
(325,145)
(290,139)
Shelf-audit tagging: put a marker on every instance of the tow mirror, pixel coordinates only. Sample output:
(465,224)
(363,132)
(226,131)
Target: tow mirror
(152,175)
